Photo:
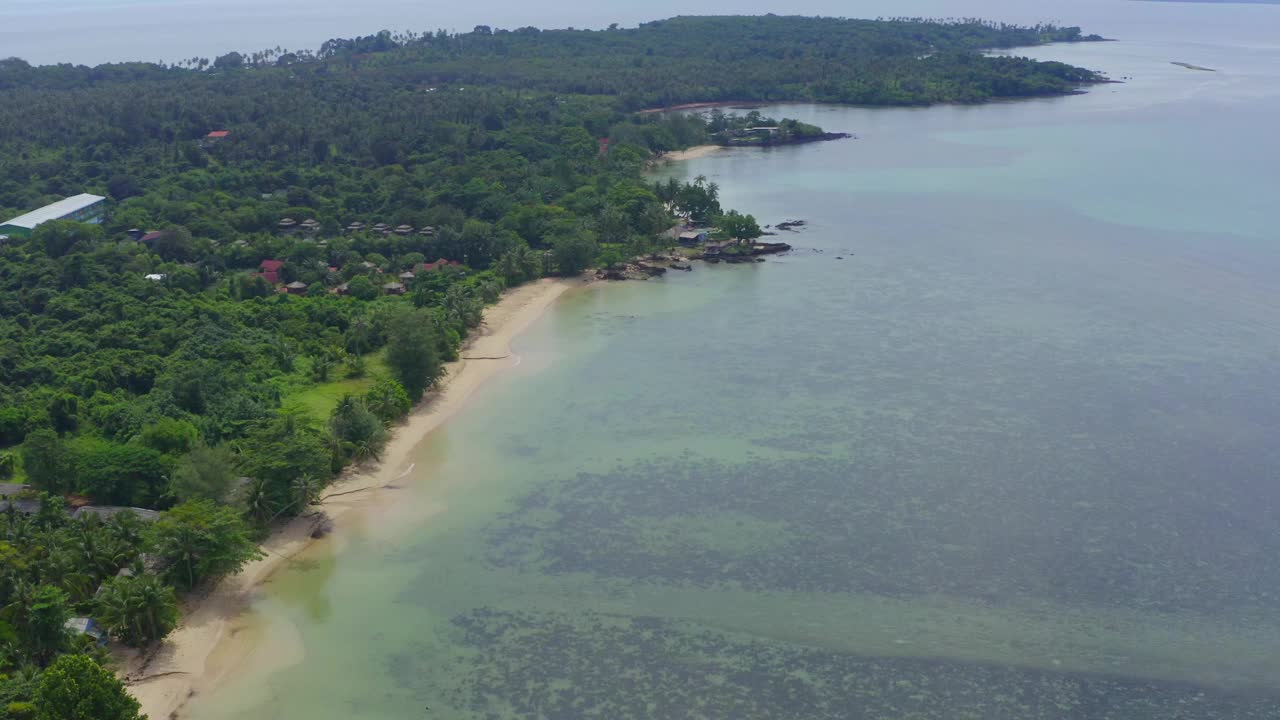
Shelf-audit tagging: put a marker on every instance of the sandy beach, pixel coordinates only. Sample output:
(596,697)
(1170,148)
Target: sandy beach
(164,680)
(692,153)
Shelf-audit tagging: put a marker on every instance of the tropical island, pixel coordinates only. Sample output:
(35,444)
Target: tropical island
(226,281)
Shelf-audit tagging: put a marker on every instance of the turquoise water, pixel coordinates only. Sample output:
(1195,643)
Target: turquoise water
(997,440)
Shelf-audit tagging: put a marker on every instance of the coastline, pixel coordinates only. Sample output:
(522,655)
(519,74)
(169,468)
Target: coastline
(692,153)
(163,681)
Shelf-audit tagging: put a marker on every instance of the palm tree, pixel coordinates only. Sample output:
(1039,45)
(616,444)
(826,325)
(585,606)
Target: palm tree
(258,503)
(137,610)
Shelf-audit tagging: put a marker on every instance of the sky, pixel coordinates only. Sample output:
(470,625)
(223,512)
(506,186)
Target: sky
(94,31)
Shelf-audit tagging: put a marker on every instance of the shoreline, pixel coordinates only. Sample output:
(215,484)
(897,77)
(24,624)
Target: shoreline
(165,680)
(691,153)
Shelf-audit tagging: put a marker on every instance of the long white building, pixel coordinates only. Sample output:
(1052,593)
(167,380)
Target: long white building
(83,207)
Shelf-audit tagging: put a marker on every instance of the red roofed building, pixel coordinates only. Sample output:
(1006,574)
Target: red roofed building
(438,264)
(217,135)
(153,235)
(271,265)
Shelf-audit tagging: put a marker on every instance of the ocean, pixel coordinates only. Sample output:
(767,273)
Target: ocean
(996,440)
(96,31)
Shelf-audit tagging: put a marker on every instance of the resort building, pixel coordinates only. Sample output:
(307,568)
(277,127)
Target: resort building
(82,208)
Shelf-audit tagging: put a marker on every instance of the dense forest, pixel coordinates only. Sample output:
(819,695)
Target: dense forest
(295,244)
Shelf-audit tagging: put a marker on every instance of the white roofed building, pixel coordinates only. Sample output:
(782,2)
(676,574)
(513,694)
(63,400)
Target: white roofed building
(82,208)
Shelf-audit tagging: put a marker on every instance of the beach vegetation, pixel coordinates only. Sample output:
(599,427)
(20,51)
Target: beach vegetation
(137,610)
(199,539)
(76,687)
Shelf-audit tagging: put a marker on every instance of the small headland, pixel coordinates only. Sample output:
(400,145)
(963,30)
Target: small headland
(658,264)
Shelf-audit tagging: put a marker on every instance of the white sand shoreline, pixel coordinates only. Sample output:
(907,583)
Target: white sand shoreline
(165,680)
(693,153)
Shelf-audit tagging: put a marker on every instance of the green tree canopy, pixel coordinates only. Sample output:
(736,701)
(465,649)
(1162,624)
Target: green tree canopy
(76,688)
(199,540)
(412,352)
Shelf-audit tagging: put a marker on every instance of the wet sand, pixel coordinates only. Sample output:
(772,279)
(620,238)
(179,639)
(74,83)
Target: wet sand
(201,650)
(693,153)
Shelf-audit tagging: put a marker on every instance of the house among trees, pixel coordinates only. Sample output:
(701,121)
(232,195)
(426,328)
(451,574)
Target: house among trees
(404,230)
(427,231)
(310,226)
(287,225)
(355,227)
(269,270)
(690,238)
(213,138)
(296,288)
(438,264)
(86,626)
(394,288)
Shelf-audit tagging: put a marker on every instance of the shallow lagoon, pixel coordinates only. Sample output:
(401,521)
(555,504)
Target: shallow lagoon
(996,441)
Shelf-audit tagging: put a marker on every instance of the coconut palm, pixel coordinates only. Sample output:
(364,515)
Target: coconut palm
(136,610)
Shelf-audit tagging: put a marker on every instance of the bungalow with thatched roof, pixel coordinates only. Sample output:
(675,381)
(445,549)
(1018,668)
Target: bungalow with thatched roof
(394,288)
(355,227)
(287,225)
(427,231)
(404,230)
(296,288)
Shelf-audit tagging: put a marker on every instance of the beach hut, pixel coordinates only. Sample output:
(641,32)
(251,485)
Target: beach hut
(86,626)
